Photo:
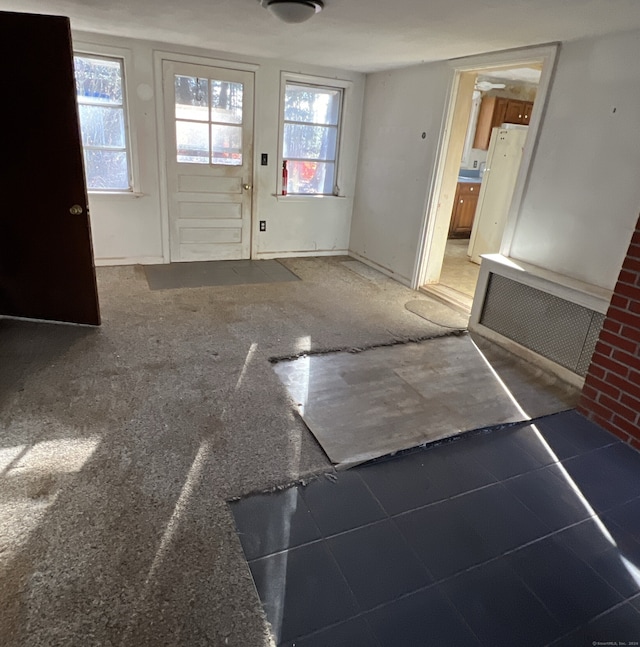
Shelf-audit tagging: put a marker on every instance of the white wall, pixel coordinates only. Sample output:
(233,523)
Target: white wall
(583,195)
(396,164)
(582,198)
(129,228)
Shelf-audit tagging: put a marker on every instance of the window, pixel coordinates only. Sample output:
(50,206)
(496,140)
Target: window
(311,135)
(100,93)
(208,121)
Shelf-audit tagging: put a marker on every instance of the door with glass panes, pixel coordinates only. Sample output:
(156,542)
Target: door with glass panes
(209,117)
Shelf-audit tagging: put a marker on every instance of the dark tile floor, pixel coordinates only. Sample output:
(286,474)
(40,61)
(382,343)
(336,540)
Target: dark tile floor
(521,536)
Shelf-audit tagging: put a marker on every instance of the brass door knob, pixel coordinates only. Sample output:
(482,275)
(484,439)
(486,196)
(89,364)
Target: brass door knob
(76,210)
(246,187)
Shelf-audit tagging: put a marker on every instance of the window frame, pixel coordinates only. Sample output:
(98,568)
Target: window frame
(123,58)
(322,83)
(211,122)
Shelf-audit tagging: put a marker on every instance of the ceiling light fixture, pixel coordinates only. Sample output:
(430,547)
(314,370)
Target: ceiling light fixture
(293,11)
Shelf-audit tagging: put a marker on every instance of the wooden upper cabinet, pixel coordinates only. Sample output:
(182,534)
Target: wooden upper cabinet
(515,112)
(499,114)
(485,123)
(495,111)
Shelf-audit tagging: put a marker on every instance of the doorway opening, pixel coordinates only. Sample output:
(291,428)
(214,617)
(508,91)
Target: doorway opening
(486,146)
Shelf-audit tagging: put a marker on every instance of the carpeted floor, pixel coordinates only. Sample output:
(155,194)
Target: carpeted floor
(120,446)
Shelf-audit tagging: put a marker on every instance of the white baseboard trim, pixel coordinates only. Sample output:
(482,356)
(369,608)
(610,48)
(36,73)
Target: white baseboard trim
(387,272)
(332,252)
(133,260)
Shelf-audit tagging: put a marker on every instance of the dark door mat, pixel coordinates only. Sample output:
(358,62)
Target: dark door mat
(208,273)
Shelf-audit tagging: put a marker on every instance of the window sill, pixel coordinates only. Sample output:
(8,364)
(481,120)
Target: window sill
(114,194)
(298,197)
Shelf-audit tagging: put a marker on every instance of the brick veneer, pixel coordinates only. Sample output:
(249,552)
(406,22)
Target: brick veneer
(611,394)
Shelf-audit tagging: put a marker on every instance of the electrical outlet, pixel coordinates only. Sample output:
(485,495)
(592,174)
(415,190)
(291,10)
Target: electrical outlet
(475,163)
(264,159)
(263,225)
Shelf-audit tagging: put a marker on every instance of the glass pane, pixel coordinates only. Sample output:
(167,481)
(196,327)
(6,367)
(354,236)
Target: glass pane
(311,177)
(226,102)
(315,142)
(309,104)
(98,81)
(106,170)
(192,98)
(102,126)
(192,142)
(226,145)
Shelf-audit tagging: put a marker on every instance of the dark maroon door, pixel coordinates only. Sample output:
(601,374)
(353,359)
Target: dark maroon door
(46,256)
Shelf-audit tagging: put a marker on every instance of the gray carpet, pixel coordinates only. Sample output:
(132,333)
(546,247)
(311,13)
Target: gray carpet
(120,446)
(366,272)
(209,273)
(437,313)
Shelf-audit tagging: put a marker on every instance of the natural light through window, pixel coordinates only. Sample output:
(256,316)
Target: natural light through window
(311,134)
(208,116)
(101,108)
(35,475)
(570,482)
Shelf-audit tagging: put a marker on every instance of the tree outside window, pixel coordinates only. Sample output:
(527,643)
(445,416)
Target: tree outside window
(310,138)
(100,96)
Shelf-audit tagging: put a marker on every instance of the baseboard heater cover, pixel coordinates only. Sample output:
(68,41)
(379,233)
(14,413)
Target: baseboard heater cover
(559,330)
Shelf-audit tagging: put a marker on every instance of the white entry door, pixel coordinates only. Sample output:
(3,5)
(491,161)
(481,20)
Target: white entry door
(209,134)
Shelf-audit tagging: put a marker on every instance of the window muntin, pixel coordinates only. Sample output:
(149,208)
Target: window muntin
(208,115)
(311,133)
(101,109)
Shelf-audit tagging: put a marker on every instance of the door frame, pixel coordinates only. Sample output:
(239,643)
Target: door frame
(159,57)
(426,264)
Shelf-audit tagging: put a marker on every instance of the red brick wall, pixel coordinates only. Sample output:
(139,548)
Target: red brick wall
(611,394)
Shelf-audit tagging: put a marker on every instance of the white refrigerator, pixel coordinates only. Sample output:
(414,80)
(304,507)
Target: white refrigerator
(496,190)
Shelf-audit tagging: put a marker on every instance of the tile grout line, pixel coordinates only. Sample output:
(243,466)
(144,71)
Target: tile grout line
(417,557)
(392,517)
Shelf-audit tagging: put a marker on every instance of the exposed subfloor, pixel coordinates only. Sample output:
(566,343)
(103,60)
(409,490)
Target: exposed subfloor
(119,447)
(361,406)
(526,536)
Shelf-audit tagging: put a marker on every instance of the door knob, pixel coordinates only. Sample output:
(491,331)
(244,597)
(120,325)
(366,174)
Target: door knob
(246,187)
(76,210)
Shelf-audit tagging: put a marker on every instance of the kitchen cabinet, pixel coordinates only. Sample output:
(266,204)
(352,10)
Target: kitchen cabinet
(495,111)
(514,112)
(464,209)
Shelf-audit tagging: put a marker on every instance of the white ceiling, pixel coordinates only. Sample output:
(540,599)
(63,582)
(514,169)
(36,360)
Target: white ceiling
(522,74)
(364,35)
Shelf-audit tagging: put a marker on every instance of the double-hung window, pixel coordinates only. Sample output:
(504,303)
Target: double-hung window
(101,106)
(311,138)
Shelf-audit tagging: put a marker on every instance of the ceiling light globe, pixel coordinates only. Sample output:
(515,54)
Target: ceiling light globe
(294,11)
